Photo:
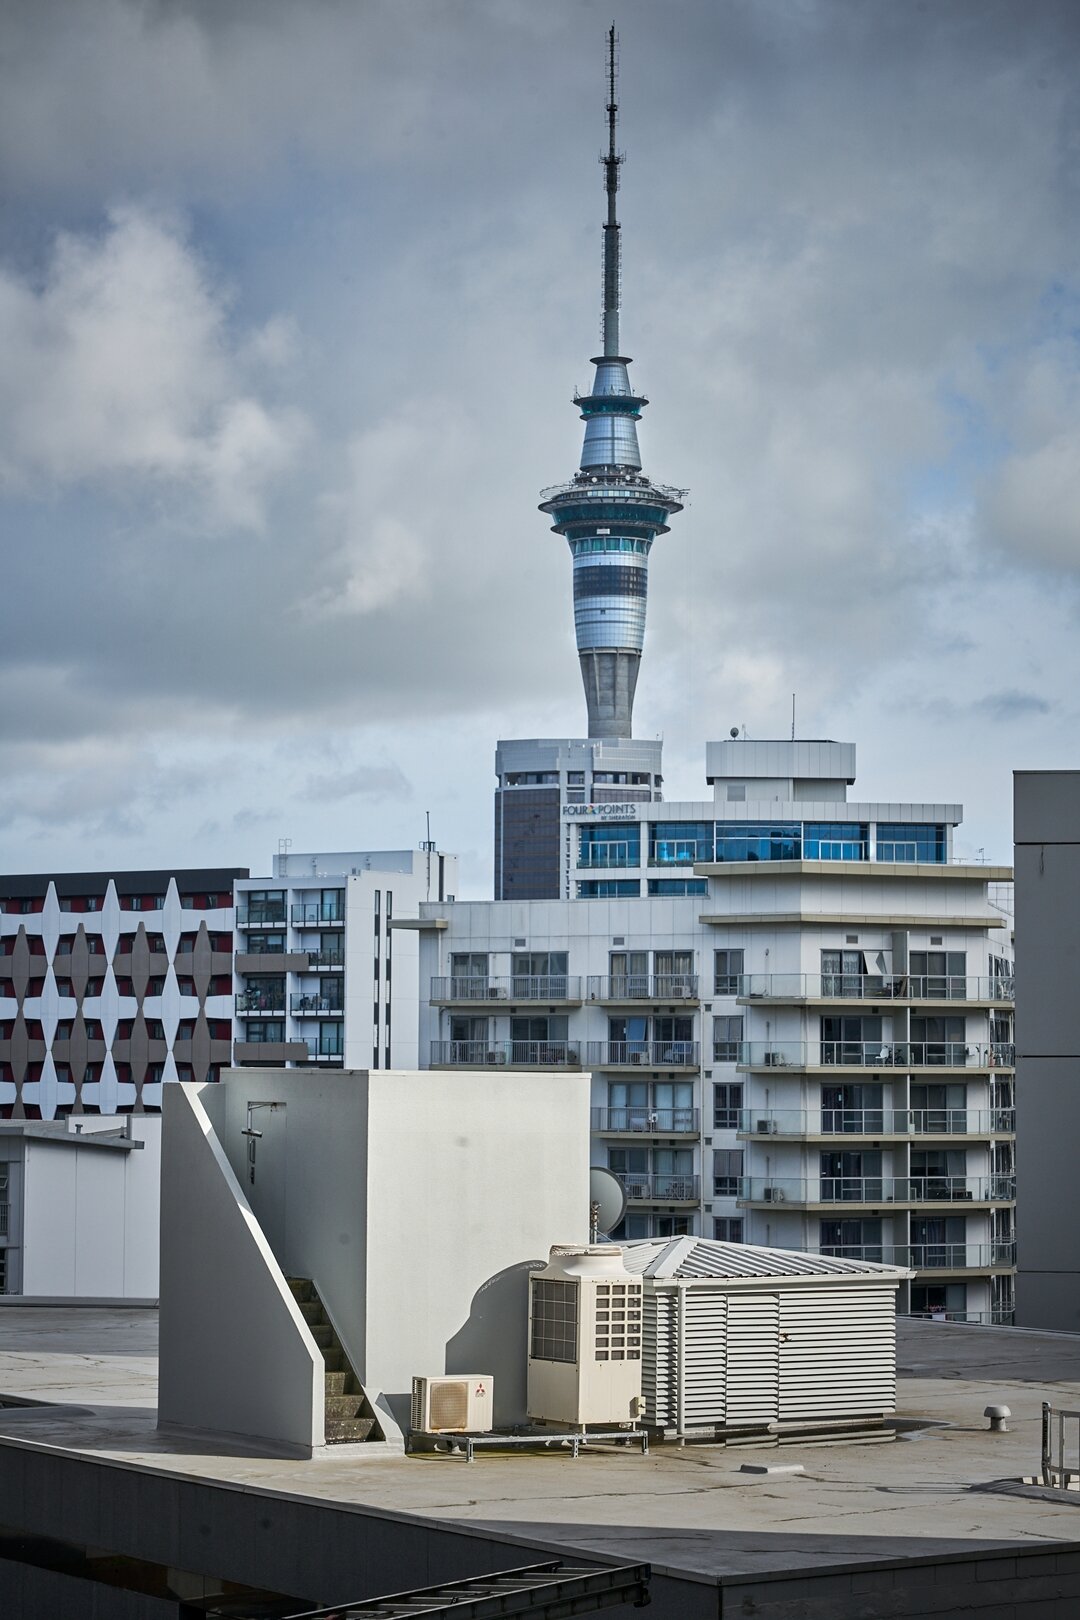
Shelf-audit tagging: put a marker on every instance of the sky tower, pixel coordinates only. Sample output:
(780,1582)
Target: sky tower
(609,511)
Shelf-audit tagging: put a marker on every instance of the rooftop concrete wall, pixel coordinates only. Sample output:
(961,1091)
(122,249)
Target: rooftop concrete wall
(235,1354)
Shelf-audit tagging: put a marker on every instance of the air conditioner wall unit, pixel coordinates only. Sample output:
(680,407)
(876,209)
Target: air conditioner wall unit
(462,1404)
(774,1195)
(766,1127)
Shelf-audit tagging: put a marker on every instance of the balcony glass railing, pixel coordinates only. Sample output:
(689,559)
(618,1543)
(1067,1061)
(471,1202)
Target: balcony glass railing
(513,1054)
(261,1001)
(647,1121)
(317,1048)
(272,916)
(925,1256)
(602,857)
(315,1006)
(876,1054)
(644,987)
(872,987)
(876,1122)
(918,1189)
(516,987)
(666,1189)
(644,1054)
(326,959)
(313,914)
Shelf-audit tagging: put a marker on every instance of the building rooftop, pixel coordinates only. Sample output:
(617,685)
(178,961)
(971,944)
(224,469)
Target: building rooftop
(945,1482)
(705,1257)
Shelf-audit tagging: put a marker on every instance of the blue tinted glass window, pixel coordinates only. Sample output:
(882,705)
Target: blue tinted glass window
(835,841)
(758,841)
(680,843)
(910,841)
(610,844)
(608,888)
(666,886)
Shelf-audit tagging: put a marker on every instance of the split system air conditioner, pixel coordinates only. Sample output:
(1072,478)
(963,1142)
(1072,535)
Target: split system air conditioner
(637,1057)
(497,993)
(766,1127)
(456,1405)
(774,1195)
(496,1057)
(774,1060)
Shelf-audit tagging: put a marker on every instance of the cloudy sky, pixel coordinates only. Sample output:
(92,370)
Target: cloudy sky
(293,297)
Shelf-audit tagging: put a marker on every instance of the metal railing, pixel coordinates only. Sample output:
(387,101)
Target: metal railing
(876,1122)
(876,1054)
(274,916)
(669,1189)
(261,1001)
(872,987)
(644,987)
(644,1054)
(617,853)
(647,1121)
(515,987)
(5,1217)
(314,914)
(523,1054)
(916,1189)
(925,1256)
(326,959)
(318,1048)
(315,1005)
(1060,1446)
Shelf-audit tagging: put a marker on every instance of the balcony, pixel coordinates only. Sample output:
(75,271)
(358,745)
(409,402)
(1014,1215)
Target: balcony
(952,1257)
(505,1054)
(830,1191)
(261,1001)
(874,1055)
(605,857)
(322,961)
(646,1121)
(876,1122)
(320,1051)
(315,915)
(253,963)
(310,1006)
(666,1055)
(627,989)
(270,1053)
(262,917)
(661,1189)
(481,989)
(795,988)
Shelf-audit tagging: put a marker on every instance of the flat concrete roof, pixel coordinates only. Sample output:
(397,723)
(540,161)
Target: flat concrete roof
(688,1511)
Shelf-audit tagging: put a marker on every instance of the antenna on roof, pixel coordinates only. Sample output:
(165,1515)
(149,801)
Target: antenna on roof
(428,847)
(793,717)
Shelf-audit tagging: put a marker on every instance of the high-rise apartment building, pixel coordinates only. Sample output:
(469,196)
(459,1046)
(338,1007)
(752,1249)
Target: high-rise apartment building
(322,976)
(796,1011)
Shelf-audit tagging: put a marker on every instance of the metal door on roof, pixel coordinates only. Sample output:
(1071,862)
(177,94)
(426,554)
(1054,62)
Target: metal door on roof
(753,1358)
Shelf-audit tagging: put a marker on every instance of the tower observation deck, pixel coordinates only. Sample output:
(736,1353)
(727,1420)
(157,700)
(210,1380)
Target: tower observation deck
(609,511)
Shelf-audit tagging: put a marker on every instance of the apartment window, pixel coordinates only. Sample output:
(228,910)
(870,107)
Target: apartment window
(674,971)
(939,973)
(629,974)
(727,1228)
(257,944)
(939,1299)
(468,974)
(853,1040)
(727,1038)
(266,1031)
(843,973)
(727,1172)
(727,1104)
(618,844)
(758,841)
(540,973)
(264,905)
(575,778)
(939,1039)
(727,971)
(852,1239)
(609,889)
(835,841)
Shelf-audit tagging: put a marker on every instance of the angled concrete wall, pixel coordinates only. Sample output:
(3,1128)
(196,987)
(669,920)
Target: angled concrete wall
(236,1356)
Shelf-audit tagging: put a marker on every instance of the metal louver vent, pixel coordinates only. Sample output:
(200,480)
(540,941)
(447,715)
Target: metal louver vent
(449,1406)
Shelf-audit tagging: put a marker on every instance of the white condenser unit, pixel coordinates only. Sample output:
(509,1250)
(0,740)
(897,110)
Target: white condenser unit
(460,1404)
(585,1339)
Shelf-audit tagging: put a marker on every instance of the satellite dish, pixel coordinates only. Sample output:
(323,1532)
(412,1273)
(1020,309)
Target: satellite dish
(607,1198)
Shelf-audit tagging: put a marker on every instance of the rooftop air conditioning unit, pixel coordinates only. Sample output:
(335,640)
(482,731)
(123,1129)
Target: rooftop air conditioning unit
(457,1405)
(774,1195)
(585,1338)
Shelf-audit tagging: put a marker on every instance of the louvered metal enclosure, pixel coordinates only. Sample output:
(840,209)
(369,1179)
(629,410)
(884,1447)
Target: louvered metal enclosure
(739,1339)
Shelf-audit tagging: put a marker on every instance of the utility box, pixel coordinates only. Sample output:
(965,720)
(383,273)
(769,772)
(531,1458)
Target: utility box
(585,1338)
(457,1405)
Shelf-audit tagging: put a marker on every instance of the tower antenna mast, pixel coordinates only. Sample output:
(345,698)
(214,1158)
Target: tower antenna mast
(612,244)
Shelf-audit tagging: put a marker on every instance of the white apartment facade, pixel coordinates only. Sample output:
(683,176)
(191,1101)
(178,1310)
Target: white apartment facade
(320,975)
(795,1013)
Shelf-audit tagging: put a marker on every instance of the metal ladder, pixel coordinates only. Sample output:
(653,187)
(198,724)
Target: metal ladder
(549,1591)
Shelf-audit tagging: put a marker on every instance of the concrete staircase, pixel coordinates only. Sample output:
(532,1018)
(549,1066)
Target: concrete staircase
(348,1415)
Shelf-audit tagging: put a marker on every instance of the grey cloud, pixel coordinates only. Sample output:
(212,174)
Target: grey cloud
(366,781)
(1011,705)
